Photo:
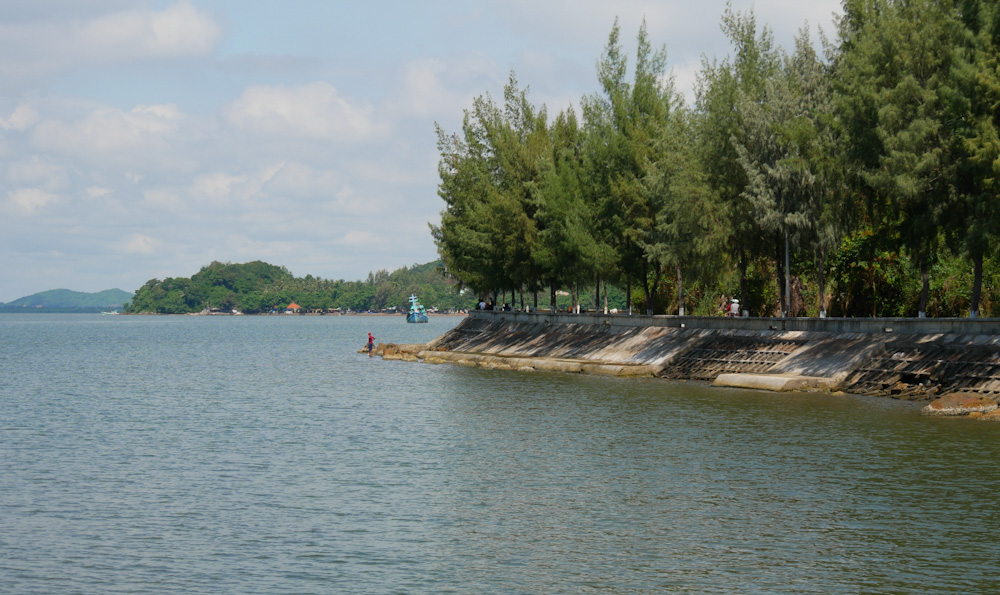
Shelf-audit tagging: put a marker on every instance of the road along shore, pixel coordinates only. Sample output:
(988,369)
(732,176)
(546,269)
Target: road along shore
(952,363)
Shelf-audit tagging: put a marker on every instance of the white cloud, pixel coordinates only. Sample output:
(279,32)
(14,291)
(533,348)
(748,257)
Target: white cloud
(299,180)
(178,30)
(30,200)
(216,186)
(439,88)
(97,192)
(22,118)
(130,133)
(358,238)
(314,110)
(48,43)
(139,244)
(162,199)
(37,171)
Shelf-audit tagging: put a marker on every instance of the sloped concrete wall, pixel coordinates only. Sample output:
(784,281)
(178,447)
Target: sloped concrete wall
(878,360)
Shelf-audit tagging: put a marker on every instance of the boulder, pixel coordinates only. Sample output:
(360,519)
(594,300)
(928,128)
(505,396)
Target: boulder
(961,403)
(991,416)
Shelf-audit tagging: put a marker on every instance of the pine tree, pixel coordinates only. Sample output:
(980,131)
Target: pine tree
(896,73)
(722,88)
(973,223)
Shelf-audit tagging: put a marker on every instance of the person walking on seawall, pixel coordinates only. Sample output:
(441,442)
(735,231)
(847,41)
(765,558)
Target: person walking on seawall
(371,342)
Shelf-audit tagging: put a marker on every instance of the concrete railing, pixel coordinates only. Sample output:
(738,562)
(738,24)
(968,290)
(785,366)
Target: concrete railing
(925,326)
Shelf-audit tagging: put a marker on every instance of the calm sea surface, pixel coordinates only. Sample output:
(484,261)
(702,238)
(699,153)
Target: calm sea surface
(264,455)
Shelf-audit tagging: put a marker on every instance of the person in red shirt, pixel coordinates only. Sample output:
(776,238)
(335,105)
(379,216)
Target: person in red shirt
(371,342)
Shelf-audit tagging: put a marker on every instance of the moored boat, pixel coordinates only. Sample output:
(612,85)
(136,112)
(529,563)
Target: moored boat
(417,311)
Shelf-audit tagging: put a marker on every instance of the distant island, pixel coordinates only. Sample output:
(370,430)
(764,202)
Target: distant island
(67,301)
(259,288)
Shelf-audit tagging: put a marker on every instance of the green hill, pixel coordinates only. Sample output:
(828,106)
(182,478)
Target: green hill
(65,299)
(258,287)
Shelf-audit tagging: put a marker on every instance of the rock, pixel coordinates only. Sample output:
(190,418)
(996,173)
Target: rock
(991,416)
(961,403)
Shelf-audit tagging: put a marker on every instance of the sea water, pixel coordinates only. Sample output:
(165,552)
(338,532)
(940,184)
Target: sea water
(265,455)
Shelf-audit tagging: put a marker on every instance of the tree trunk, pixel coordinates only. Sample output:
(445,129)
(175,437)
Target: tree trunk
(977,284)
(534,300)
(597,297)
(924,290)
(628,295)
(744,303)
(651,290)
(605,297)
(821,275)
(781,276)
(552,298)
(788,278)
(680,292)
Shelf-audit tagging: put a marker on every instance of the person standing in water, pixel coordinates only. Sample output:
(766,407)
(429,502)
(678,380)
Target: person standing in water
(371,342)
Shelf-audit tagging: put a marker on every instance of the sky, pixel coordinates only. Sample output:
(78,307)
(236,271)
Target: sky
(145,139)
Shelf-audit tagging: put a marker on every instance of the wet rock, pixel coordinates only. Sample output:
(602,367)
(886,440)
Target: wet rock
(991,416)
(961,403)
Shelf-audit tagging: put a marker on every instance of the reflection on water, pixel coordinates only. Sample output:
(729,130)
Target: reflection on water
(262,454)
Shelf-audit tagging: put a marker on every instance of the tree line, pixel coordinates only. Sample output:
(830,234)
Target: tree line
(858,180)
(258,287)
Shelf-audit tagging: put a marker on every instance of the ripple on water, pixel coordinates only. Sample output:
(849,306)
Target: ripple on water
(262,454)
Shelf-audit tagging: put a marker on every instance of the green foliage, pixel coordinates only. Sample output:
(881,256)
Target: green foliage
(258,287)
(871,170)
(870,278)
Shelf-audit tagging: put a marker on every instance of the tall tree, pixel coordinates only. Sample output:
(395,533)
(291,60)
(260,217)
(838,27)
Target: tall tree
(626,124)
(786,156)
(895,73)
(567,250)
(488,228)
(686,235)
(721,89)
(973,223)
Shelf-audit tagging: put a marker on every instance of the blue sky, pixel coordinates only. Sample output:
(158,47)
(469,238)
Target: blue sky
(143,139)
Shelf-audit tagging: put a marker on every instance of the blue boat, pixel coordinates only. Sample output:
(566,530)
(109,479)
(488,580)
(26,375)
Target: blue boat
(417,312)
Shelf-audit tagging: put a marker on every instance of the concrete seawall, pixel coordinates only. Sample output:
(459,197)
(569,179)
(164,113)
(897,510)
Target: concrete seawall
(903,358)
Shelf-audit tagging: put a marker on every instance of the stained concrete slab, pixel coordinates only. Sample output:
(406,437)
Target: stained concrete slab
(775,382)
